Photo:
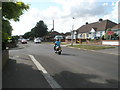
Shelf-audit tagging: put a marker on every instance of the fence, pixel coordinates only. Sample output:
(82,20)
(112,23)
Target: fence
(111,42)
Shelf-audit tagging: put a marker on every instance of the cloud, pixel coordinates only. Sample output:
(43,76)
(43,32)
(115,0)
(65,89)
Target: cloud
(114,13)
(83,11)
(105,4)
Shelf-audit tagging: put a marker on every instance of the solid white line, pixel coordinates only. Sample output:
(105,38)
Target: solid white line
(47,76)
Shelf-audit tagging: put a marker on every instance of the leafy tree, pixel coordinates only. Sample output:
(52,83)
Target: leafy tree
(39,30)
(10,11)
(27,35)
(13,10)
(7,29)
(15,38)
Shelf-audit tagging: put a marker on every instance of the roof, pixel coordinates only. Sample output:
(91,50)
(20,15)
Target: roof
(116,27)
(98,26)
(68,33)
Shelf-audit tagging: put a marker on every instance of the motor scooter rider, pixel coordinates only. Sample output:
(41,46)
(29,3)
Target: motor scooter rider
(57,43)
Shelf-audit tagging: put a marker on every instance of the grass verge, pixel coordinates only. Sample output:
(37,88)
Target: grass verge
(91,47)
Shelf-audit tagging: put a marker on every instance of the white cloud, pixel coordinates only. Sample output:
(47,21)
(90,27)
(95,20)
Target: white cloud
(113,3)
(105,4)
(114,13)
(83,11)
(26,23)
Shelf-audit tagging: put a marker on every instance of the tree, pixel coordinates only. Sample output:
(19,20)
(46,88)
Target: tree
(27,35)
(13,10)
(10,11)
(7,29)
(39,30)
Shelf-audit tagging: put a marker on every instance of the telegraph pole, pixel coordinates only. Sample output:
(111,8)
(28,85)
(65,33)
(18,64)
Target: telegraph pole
(72,33)
(53,24)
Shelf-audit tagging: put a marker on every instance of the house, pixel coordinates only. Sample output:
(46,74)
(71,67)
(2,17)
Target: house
(94,30)
(68,35)
(50,36)
(116,29)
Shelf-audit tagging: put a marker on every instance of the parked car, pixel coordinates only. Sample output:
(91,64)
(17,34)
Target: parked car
(24,41)
(37,40)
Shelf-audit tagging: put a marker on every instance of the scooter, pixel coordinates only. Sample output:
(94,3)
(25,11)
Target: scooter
(58,50)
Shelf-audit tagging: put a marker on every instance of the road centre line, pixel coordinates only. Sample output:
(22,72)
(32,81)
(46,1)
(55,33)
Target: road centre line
(47,76)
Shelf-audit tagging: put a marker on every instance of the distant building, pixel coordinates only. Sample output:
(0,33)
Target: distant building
(58,37)
(54,35)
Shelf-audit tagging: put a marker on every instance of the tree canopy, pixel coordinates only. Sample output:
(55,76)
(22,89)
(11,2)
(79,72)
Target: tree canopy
(27,35)
(11,11)
(39,30)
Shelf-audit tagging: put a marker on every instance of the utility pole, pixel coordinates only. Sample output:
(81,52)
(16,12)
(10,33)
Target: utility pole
(72,33)
(53,24)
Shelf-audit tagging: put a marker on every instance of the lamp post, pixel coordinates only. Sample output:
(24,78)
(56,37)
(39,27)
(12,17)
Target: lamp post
(75,36)
(72,33)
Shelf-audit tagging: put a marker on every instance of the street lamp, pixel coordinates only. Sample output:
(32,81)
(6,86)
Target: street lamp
(75,36)
(72,33)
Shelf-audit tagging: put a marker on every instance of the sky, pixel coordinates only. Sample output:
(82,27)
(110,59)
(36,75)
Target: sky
(62,12)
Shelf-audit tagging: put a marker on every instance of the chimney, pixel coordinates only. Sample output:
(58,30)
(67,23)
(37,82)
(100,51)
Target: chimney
(100,20)
(86,23)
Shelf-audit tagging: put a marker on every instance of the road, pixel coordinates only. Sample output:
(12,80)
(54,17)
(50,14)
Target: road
(74,68)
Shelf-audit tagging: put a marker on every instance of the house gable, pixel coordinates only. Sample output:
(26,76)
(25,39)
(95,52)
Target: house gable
(92,30)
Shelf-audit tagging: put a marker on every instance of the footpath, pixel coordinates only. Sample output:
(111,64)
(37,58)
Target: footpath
(21,72)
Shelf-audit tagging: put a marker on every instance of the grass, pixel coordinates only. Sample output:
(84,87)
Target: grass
(91,47)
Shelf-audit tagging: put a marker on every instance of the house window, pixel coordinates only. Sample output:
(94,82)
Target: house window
(94,34)
(100,33)
(87,35)
(80,35)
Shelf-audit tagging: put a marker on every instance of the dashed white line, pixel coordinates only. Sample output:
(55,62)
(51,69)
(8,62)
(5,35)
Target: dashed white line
(47,76)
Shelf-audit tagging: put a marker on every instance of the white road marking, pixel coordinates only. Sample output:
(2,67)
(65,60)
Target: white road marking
(47,76)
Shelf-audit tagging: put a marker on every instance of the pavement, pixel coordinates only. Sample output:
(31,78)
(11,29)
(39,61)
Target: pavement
(20,71)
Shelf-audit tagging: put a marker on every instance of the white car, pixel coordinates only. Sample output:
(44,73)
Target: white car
(37,40)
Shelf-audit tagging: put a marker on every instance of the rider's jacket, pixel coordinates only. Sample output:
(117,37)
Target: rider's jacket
(57,43)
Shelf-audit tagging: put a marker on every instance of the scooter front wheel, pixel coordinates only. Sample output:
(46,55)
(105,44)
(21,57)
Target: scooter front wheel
(59,53)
